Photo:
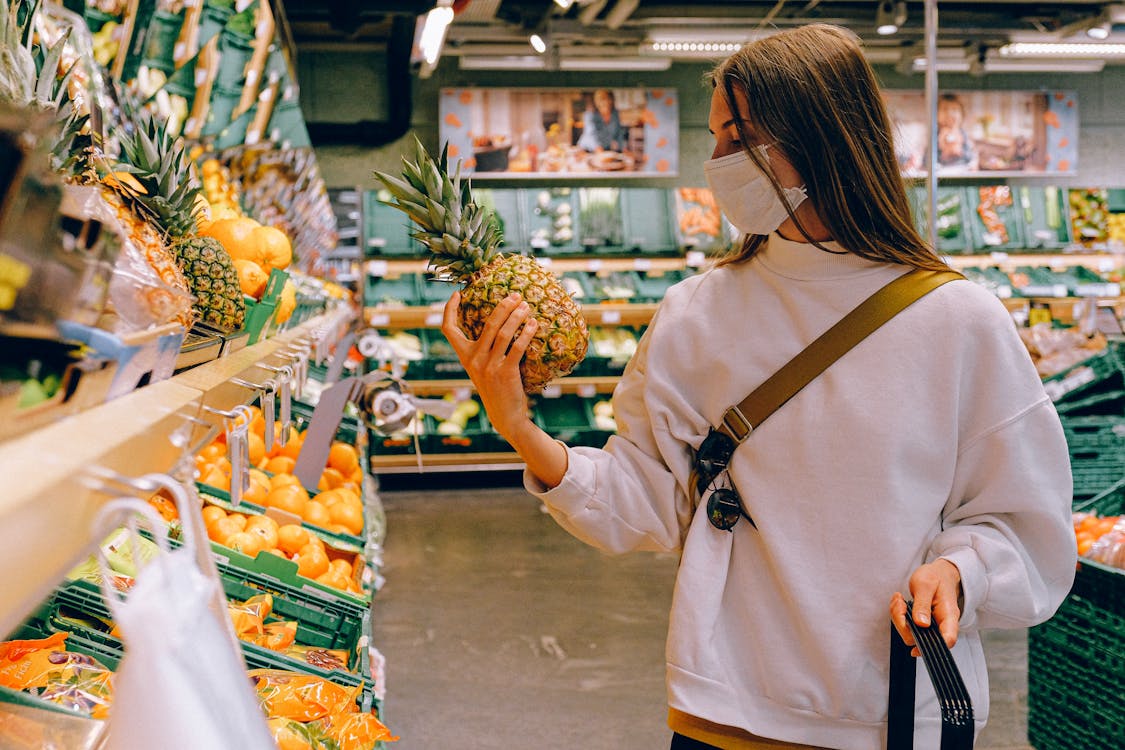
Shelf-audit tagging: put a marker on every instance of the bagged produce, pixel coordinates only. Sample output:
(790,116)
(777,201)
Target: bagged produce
(301,697)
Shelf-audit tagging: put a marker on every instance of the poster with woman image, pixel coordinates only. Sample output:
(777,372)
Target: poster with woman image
(603,132)
(995,133)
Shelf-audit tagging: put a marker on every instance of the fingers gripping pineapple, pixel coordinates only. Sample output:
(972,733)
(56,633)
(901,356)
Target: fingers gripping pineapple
(463,241)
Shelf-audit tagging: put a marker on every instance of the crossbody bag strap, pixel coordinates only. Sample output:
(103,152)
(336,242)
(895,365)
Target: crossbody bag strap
(739,421)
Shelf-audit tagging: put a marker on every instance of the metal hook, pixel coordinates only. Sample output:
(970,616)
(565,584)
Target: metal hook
(101,479)
(269,385)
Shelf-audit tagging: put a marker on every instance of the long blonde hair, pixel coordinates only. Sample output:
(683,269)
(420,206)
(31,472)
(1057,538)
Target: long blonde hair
(811,91)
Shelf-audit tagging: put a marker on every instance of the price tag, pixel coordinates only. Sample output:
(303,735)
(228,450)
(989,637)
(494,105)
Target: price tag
(434,320)
(179,50)
(695,259)
(642,264)
(594,265)
(462,394)
(1105,265)
(379,320)
(999,257)
(269,416)
(200,77)
(587,390)
(253,136)
(611,317)
(539,243)
(251,77)
(286,406)
(1004,291)
(376,267)
(552,391)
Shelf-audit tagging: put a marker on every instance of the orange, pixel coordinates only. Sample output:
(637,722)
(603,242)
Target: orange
(261,477)
(286,302)
(356,477)
(222,463)
(239,519)
(213,451)
(281,465)
(316,514)
(334,579)
(311,561)
(237,237)
(292,447)
(341,565)
(245,542)
(290,498)
(276,551)
(282,480)
(349,494)
(268,534)
(256,494)
(347,515)
(212,513)
(251,278)
(291,537)
(329,498)
(221,529)
(336,528)
(216,478)
(330,479)
(274,247)
(316,541)
(343,458)
(257,448)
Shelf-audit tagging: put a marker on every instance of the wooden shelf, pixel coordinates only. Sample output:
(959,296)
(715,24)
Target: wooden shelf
(608,314)
(47,508)
(394,267)
(446,462)
(572,384)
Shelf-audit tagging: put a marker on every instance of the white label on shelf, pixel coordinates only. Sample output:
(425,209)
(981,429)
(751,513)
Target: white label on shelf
(1004,291)
(462,394)
(552,391)
(642,264)
(695,259)
(1060,290)
(189,125)
(611,317)
(594,265)
(375,268)
(200,76)
(433,320)
(545,262)
(999,257)
(587,390)
(1105,265)
(379,319)
(376,241)
(179,50)
(251,77)
(252,137)
(1056,389)
(539,243)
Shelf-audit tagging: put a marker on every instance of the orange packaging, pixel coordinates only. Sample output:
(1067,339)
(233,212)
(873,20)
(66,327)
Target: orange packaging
(356,731)
(72,680)
(301,697)
(25,664)
(276,636)
(249,616)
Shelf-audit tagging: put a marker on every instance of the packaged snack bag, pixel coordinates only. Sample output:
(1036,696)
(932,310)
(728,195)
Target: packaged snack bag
(356,731)
(276,636)
(301,697)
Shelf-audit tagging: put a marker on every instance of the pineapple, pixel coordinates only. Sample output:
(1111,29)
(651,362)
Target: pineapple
(160,184)
(463,239)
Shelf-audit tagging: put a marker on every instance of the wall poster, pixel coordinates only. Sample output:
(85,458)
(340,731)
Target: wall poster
(607,132)
(988,133)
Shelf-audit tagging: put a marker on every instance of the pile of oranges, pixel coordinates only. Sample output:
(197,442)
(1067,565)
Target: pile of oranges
(1089,528)
(253,534)
(255,250)
(338,505)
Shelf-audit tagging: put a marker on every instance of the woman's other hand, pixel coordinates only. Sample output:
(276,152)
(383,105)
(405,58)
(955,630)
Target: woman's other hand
(936,589)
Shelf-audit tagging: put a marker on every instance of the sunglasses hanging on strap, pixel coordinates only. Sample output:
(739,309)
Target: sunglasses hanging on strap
(953,697)
(709,470)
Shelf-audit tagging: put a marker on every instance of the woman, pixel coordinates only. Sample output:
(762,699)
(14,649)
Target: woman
(601,125)
(926,462)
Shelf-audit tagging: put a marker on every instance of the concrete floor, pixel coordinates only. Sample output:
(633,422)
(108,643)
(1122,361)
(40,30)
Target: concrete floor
(501,631)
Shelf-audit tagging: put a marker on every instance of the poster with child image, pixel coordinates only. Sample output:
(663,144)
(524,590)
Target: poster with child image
(994,133)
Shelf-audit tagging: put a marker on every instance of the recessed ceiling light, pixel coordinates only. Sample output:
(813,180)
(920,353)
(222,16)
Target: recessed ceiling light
(537,43)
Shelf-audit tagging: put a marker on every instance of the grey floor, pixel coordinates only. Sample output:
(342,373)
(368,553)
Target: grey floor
(503,632)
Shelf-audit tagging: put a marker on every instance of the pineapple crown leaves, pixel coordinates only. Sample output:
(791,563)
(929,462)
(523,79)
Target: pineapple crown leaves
(29,83)
(461,234)
(160,164)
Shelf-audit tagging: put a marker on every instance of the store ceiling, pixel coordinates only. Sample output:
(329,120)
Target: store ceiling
(628,29)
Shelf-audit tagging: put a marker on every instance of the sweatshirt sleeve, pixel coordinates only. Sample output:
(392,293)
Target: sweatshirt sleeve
(1007,527)
(626,496)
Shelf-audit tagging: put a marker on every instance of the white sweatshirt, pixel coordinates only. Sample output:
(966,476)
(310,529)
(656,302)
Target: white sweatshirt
(932,438)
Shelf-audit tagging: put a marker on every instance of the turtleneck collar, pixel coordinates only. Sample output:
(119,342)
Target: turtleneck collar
(805,261)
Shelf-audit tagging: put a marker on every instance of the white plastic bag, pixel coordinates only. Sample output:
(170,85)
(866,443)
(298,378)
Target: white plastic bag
(182,684)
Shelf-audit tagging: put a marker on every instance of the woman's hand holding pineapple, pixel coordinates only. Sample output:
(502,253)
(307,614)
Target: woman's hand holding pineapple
(493,364)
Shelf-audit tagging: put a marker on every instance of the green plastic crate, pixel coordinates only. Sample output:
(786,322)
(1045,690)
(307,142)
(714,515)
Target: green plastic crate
(160,41)
(571,420)
(1097,374)
(1043,213)
(647,215)
(543,209)
(386,230)
(478,437)
(235,51)
(397,291)
(954,233)
(1009,215)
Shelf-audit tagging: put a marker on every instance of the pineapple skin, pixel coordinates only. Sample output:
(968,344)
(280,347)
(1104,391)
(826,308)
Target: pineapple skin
(213,281)
(561,340)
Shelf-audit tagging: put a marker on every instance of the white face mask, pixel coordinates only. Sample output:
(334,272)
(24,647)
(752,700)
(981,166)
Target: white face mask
(745,195)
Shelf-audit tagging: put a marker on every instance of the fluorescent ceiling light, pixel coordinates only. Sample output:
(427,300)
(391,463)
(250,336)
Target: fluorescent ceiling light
(1073,50)
(1099,31)
(1042,65)
(564,4)
(695,48)
(919,64)
(537,43)
(433,33)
